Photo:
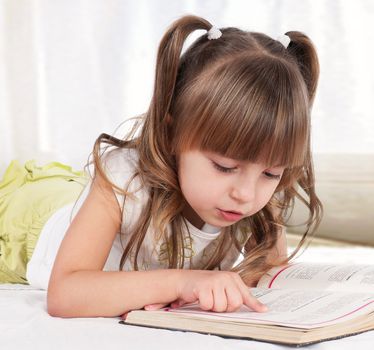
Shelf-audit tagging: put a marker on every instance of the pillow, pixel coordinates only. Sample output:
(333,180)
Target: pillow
(345,185)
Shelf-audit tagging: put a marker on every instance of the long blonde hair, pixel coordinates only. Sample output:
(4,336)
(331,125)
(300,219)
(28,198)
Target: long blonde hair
(244,96)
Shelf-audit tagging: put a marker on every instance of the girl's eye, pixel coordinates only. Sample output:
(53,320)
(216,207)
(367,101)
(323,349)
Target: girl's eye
(222,168)
(272,176)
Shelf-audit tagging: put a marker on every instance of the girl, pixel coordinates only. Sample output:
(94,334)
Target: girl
(220,156)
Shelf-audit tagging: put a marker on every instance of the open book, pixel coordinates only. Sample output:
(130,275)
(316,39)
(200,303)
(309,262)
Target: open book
(308,303)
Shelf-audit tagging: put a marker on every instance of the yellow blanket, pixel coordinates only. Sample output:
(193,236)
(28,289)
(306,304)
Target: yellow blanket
(29,195)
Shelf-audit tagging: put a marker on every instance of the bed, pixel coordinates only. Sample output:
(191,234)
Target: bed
(25,323)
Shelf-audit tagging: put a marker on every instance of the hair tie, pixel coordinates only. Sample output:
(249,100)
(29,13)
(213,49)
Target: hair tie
(284,39)
(214,33)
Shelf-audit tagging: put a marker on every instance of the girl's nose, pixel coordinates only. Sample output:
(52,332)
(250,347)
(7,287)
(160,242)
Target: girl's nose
(244,192)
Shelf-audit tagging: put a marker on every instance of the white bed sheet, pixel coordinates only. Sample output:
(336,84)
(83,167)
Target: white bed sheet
(25,323)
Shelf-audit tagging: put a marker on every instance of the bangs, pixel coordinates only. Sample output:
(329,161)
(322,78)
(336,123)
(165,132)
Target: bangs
(253,108)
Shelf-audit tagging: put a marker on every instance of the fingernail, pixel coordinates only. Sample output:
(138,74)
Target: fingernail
(264,307)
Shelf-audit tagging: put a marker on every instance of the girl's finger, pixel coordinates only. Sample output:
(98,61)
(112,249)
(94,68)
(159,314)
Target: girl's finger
(253,303)
(219,300)
(248,299)
(177,303)
(234,298)
(206,299)
(153,307)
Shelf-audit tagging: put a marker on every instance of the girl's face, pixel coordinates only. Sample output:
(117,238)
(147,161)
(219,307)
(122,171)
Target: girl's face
(221,191)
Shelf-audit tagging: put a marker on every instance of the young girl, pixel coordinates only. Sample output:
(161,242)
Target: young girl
(219,158)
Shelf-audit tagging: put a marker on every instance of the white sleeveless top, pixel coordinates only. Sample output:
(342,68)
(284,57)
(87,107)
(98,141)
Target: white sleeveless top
(120,165)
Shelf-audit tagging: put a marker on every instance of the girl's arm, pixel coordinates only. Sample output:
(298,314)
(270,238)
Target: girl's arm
(79,288)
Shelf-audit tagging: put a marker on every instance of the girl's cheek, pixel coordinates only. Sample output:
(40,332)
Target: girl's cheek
(266,196)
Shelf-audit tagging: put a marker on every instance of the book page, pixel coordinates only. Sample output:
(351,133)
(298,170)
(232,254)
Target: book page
(296,308)
(358,278)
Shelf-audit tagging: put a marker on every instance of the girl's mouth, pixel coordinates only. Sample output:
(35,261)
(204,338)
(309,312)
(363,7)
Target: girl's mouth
(230,215)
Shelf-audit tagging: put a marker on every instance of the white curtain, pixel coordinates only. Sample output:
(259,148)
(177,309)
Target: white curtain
(71,69)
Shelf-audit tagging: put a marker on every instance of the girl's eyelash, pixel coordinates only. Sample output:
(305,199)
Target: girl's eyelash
(230,170)
(222,168)
(272,176)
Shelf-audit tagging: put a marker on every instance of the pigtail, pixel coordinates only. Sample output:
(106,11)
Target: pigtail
(168,58)
(157,164)
(303,50)
(154,146)
(307,183)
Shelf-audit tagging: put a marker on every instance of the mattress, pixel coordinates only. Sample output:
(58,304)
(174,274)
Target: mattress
(25,323)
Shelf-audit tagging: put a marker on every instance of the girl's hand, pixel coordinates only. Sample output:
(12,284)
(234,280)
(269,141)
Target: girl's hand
(219,291)
(174,304)
(158,306)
